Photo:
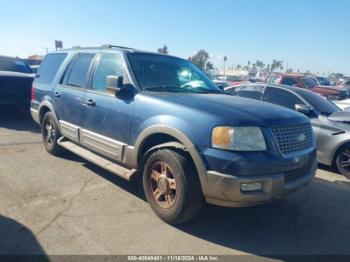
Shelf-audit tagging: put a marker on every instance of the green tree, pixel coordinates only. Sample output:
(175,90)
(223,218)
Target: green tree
(209,65)
(276,64)
(260,64)
(200,59)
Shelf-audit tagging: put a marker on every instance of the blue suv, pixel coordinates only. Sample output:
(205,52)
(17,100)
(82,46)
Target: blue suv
(157,117)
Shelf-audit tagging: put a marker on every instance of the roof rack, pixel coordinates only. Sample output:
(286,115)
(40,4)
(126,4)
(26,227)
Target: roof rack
(116,46)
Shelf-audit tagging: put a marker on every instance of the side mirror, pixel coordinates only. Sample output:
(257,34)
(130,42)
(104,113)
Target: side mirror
(114,84)
(304,109)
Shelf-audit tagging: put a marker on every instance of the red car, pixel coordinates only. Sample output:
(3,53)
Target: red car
(308,82)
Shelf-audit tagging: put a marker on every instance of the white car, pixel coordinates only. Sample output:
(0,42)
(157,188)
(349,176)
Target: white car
(343,104)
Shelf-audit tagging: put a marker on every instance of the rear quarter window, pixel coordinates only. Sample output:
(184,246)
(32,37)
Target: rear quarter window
(49,67)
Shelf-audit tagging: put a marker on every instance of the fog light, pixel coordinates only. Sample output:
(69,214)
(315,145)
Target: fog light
(251,187)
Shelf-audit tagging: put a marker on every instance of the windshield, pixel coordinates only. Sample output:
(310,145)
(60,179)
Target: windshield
(320,103)
(14,65)
(164,73)
(309,82)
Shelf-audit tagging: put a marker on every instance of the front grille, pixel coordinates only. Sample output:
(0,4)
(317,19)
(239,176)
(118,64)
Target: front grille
(296,174)
(293,138)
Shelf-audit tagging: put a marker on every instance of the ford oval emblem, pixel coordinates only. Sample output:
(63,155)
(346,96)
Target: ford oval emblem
(301,138)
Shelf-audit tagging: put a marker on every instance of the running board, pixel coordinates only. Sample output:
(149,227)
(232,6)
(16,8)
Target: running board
(112,167)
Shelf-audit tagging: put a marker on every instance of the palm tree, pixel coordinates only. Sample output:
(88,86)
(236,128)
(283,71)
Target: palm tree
(276,64)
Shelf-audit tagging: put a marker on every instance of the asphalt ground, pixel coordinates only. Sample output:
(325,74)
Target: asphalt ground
(67,206)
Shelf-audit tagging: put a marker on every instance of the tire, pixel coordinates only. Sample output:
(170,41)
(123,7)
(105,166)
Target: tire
(50,134)
(343,156)
(171,186)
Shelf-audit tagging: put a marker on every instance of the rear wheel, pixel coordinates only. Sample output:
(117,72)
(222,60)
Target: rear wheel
(51,134)
(343,161)
(171,186)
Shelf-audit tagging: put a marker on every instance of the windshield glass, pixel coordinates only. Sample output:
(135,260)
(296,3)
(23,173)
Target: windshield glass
(309,82)
(14,65)
(320,103)
(164,73)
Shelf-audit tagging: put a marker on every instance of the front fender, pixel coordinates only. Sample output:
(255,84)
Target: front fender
(180,136)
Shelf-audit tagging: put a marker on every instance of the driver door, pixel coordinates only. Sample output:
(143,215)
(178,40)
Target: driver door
(106,117)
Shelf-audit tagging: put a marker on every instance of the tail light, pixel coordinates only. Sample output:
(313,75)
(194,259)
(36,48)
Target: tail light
(33,93)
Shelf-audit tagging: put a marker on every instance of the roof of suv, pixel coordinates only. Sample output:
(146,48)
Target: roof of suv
(107,47)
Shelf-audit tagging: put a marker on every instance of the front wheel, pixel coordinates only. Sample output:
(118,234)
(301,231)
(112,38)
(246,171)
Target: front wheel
(343,161)
(171,186)
(51,133)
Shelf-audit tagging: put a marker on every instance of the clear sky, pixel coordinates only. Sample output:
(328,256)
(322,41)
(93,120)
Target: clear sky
(307,34)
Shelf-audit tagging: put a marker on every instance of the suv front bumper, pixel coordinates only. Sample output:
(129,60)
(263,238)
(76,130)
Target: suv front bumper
(276,174)
(225,190)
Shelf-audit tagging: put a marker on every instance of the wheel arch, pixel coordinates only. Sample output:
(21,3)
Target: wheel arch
(170,137)
(45,107)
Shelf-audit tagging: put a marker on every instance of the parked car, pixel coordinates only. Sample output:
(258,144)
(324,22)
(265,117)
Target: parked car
(345,83)
(34,68)
(160,118)
(232,80)
(343,104)
(15,82)
(324,81)
(331,126)
(223,84)
(308,82)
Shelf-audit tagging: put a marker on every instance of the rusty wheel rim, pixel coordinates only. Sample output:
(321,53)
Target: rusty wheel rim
(163,185)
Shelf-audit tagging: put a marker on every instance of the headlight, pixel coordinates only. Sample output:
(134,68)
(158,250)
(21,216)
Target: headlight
(238,138)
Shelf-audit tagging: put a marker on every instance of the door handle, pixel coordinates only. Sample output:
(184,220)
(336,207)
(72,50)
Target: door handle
(91,102)
(57,94)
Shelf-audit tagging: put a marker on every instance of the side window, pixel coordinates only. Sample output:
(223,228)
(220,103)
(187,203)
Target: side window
(288,81)
(281,97)
(77,75)
(109,64)
(49,67)
(253,92)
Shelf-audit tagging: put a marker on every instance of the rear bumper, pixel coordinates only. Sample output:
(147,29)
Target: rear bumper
(35,115)
(225,190)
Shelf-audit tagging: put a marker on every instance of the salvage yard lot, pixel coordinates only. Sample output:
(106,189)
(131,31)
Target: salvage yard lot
(51,205)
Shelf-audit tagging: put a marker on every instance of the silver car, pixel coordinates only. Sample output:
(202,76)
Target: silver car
(330,124)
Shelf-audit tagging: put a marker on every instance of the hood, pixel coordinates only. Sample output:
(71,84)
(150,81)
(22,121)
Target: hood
(231,110)
(342,116)
(326,90)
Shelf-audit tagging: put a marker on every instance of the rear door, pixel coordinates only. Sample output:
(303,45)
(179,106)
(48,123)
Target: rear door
(68,95)
(106,117)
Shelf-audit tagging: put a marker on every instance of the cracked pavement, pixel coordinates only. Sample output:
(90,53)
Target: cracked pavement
(64,205)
